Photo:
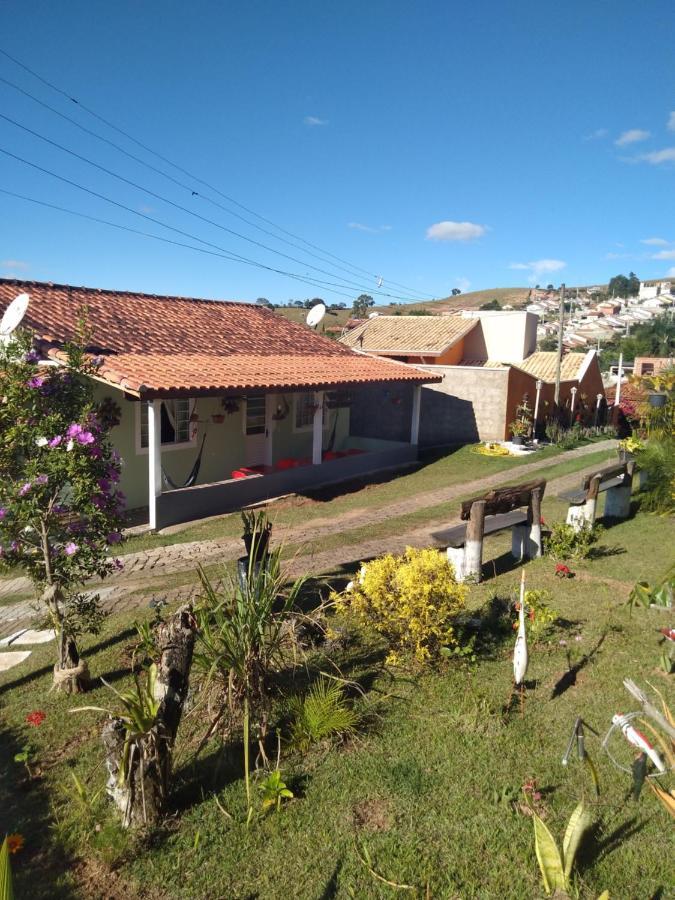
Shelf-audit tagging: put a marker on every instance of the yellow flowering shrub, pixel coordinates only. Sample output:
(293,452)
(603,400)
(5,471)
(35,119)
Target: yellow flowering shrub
(411,600)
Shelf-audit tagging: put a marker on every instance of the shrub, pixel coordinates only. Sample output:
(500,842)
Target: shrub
(321,714)
(411,600)
(565,542)
(657,459)
(539,614)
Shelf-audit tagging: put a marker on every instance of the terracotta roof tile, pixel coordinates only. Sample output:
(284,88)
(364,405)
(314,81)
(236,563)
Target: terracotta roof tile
(543,364)
(426,335)
(154,345)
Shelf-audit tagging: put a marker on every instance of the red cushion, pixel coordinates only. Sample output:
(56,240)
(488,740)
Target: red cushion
(287,463)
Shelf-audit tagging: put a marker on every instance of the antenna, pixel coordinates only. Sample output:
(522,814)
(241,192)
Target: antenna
(315,315)
(13,316)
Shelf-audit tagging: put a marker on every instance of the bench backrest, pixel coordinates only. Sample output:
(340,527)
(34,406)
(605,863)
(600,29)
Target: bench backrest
(605,474)
(505,500)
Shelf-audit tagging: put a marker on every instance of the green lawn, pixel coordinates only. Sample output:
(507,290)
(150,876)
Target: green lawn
(438,468)
(418,790)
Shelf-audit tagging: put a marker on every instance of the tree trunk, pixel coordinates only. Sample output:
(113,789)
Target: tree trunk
(71,674)
(141,792)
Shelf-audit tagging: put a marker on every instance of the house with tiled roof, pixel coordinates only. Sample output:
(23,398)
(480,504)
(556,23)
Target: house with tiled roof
(221,404)
(488,364)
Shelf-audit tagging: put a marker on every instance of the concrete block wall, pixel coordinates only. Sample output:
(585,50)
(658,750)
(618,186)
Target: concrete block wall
(467,406)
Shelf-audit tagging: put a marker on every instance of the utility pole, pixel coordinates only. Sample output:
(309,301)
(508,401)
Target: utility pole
(556,396)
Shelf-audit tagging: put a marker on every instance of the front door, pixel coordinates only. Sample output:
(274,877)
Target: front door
(256,430)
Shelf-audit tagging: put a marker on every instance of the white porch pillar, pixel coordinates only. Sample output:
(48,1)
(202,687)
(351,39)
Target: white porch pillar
(317,429)
(154,458)
(415,419)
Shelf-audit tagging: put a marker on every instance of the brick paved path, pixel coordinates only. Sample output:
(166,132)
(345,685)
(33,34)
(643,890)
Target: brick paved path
(125,590)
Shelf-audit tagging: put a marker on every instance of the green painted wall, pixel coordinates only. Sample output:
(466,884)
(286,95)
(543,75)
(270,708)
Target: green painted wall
(224,450)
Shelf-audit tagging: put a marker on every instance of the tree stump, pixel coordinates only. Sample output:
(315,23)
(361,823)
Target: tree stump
(140,793)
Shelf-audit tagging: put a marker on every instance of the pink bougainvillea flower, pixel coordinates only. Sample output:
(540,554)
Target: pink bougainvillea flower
(55,441)
(42,479)
(71,548)
(35,382)
(85,437)
(36,717)
(23,490)
(73,430)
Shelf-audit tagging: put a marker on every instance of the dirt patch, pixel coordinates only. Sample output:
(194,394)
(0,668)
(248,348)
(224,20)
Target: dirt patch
(96,881)
(373,815)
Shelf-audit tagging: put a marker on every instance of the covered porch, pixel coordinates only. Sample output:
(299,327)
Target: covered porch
(270,443)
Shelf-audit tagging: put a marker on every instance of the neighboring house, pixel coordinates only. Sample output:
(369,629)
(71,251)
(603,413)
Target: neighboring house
(652,291)
(488,364)
(652,365)
(261,403)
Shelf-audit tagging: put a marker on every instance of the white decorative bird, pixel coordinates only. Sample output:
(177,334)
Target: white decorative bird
(637,739)
(520,649)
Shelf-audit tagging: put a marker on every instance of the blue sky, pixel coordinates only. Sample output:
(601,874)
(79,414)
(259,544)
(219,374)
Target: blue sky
(436,144)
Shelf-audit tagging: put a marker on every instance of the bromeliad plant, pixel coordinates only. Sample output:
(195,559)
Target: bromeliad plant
(246,634)
(60,507)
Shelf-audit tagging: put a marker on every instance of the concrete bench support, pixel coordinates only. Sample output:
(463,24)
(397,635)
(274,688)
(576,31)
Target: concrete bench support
(526,540)
(617,502)
(584,514)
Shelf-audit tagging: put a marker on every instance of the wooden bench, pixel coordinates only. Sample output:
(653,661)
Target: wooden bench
(616,481)
(517,508)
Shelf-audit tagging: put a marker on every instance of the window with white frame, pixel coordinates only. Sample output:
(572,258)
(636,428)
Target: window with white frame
(175,423)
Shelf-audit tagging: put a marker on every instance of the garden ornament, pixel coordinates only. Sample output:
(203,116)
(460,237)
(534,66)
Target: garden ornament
(637,739)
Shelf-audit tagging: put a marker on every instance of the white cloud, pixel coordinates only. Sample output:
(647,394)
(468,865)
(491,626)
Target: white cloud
(539,267)
(671,122)
(659,156)
(664,254)
(632,136)
(671,272)
(655,242)
(313,121)
(455,231)
(596,135)
(463,284)
(370,229)
(17,265)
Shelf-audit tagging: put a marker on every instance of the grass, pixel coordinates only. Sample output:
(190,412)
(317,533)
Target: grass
(418,793)
(443,467)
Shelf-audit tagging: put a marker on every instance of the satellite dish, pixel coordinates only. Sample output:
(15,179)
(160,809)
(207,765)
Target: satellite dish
(13,316)
(315,315)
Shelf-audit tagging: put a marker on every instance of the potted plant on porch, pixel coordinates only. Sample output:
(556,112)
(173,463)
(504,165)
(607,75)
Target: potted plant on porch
(521,427)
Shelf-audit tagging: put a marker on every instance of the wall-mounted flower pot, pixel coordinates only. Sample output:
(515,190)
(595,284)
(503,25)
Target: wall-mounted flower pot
(218,419)
(657,399)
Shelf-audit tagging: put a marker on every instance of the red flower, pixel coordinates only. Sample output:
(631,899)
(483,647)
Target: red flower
(563,571)
(36,718)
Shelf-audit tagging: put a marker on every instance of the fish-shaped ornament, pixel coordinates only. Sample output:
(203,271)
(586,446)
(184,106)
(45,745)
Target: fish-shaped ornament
(520,649)
(637,739)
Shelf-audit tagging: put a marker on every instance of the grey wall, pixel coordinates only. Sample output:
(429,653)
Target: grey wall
(382,412)
(467,406)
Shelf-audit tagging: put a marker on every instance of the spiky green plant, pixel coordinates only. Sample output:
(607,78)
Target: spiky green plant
(556,867)
(6,886)
(274,791)
(322,713)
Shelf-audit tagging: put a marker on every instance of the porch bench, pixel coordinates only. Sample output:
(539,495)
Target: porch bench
(616,481)
(492,513)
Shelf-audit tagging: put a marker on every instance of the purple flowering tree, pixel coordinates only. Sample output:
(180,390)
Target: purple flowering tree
(60,507)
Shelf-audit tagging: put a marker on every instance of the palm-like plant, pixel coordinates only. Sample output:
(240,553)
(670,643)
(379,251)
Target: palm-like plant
(322,713)
(246,632)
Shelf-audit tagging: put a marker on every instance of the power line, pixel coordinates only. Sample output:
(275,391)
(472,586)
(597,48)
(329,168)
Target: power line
(313,282)
(211,187)
(352,270)
(350,285)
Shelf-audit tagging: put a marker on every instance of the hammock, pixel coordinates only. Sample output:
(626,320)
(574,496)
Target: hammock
(192,475)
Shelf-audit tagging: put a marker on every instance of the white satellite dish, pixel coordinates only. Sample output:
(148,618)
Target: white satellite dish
(13,316)
(315,315)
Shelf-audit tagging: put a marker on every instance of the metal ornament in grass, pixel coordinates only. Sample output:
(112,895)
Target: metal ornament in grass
(637,740)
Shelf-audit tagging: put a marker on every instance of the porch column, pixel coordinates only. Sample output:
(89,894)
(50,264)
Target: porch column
(317,429)
(154,458)
(415,422)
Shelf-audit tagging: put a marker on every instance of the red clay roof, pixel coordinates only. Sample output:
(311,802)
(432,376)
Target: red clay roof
(158,346)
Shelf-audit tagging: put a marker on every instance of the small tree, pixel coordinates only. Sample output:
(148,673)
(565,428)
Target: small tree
(456,292)
(60,507)
(362,304)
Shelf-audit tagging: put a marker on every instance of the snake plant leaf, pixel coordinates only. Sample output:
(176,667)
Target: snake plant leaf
(548,857)
(590,765)
(667,798)
(577,825)
(6,887)
(604,895)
